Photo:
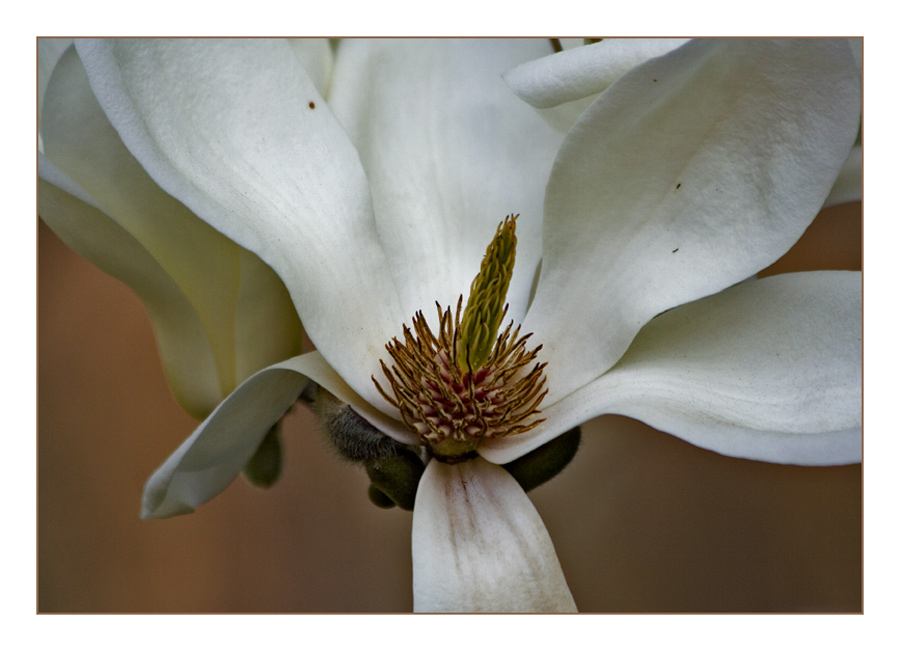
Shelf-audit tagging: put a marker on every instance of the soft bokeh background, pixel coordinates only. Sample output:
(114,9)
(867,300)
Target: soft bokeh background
(642,521)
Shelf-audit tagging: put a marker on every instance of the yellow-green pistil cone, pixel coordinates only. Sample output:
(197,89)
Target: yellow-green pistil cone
(485,308)
(469,381)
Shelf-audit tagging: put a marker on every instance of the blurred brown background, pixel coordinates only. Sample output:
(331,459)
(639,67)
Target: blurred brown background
(641,520)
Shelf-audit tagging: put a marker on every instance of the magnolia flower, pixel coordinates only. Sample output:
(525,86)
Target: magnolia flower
(684,178)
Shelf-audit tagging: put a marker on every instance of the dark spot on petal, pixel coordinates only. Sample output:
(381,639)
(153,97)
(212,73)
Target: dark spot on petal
(678,186)
(312,105)
(675,250)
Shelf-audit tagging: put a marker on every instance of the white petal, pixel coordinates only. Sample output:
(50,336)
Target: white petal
(564,85)
(689,174)
(266,327)
(856,45)
(583,71)
(203,266)
(561,86)
(209,460)
(449,152)
(184,348)
(769,369)
(564,116)
(49,52)
(316,56)
(236,130)
(848,186)
(479,545)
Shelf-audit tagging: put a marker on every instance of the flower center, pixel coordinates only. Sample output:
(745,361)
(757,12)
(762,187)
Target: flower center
(467,383)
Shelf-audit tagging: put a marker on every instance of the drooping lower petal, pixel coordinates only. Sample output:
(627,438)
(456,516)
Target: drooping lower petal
(210,459)
(689,174)
(479,545)
(236,130)
(769,369)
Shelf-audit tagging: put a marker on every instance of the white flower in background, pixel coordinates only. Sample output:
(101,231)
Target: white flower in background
(686,176)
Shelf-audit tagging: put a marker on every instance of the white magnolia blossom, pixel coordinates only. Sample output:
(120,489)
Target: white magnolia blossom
(371,185)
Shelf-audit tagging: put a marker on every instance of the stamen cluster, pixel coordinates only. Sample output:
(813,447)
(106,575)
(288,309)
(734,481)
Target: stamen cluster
(444,399)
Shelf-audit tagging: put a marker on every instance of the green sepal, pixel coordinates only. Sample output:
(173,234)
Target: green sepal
(544,463)
(397,477)
(379,499)
(264,467)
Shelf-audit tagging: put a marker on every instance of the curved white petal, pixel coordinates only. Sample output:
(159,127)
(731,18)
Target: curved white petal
(562,117)
(848,186)
(317,58)
(266,326)
(184,348)
(237,131)
(479,545)
(769,369)
(206,268)
(49,52)
(209,460)
(689,174)
(449,152)
(583,71)
(561,86)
